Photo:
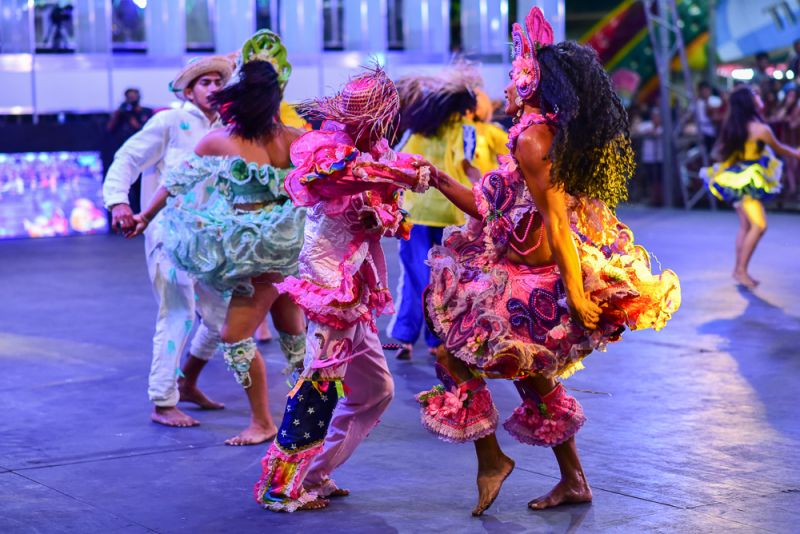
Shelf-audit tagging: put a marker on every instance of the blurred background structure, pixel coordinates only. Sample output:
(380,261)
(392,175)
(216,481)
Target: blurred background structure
(66,64)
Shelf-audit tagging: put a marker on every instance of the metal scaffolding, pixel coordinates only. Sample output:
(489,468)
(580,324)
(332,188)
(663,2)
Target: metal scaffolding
(684,154)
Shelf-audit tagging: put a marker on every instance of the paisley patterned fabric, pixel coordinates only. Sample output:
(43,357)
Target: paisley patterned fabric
(220,244)
(511,320)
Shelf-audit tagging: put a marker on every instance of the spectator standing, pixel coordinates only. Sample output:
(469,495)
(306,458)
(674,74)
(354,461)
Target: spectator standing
(126,120)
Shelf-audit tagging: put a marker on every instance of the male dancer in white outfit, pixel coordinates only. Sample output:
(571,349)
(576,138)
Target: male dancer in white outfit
(166,139)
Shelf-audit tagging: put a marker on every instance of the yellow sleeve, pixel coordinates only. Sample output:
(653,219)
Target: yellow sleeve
(290,117)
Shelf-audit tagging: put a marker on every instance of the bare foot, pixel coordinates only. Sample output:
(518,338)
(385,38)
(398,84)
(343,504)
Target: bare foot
(340,492)
(565,492)
(316,504)
(172,416)
(195,396)
(745,279)
(253,435)
(405,351)
(489,483)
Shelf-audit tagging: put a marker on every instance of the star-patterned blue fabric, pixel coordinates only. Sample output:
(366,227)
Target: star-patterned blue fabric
(306,419)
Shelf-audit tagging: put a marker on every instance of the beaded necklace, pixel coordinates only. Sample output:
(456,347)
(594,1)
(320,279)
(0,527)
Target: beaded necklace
(524,122)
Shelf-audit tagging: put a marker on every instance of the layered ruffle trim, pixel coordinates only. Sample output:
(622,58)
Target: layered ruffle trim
(459,414)
(468,279)
(340,307)
(280,488)
(552,421)
(732,180)
(225,247)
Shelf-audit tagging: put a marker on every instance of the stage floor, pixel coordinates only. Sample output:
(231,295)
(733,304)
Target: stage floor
(692,429)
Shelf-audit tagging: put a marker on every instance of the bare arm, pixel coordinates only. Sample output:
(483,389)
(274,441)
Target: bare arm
(766,135)
(143,218)
(551,203)
(457,193)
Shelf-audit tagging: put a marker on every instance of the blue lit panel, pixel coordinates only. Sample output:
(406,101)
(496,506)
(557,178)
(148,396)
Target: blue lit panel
(49,194)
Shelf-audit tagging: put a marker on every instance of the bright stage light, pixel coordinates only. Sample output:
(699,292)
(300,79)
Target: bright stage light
(790,75)
(742,74)
(777,74)
(141,4)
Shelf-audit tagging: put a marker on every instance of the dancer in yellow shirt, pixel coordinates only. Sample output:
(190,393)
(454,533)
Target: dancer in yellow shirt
(441,116)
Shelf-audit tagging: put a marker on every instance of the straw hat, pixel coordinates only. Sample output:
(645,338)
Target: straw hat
(199,66)
(368,101)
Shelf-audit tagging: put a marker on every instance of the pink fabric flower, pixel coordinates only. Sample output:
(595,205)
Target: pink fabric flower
(453,401)
(522,71)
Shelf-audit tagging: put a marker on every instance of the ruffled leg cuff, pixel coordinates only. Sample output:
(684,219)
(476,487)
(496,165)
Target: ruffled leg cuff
(547,421)
(458,412)
(238,357)
(280,488)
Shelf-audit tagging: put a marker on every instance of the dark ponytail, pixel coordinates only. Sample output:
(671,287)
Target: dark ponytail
(250,106)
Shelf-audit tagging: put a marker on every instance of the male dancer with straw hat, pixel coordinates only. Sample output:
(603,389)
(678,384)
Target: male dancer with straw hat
(166,140)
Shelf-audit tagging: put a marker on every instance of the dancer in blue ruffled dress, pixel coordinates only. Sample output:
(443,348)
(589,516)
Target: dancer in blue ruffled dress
(248,236)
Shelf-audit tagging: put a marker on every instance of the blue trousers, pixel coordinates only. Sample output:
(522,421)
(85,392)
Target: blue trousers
(409,321)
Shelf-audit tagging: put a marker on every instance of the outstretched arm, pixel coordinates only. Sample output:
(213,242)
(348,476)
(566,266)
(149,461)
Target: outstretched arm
(457,193)
(767,136)
(143,218)
(551,202)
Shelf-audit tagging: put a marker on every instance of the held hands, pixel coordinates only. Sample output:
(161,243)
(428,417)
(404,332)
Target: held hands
(122,218)
(585,312)
(141,221)
(434,172)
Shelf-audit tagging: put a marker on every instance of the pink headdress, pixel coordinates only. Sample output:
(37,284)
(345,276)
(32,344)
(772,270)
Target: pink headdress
(525,68)
(368,101)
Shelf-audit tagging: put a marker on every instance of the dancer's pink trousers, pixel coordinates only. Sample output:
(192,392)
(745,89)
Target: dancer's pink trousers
(370,389)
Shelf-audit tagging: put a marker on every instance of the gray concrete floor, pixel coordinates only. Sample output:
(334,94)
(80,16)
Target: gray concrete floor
(694,429)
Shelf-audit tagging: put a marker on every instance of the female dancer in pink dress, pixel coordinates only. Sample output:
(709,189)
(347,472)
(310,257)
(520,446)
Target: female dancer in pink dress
(544,273)
(350,180)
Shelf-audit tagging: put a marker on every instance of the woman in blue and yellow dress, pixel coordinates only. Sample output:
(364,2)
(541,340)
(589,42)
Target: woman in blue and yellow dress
(749,173)
(248,236)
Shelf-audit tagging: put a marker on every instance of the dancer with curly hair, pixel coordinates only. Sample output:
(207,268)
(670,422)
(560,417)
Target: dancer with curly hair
(543,273)
(350,180)
(749,173)
(248,236)
(439,113)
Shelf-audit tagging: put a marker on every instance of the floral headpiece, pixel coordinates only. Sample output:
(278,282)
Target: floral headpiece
(525,71)
(265,45)
(368,101)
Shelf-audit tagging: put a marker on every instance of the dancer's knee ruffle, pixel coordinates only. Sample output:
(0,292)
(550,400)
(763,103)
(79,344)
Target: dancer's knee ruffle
(458,412)
(546,421)
(238,358)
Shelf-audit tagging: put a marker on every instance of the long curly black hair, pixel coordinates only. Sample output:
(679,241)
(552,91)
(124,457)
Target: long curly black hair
(250,105)
(741,112)
(591,153)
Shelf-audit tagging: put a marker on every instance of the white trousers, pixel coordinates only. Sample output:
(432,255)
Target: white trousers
(177,308)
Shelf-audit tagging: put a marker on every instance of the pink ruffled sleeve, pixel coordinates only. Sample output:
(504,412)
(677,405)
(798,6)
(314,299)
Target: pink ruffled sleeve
(328,166)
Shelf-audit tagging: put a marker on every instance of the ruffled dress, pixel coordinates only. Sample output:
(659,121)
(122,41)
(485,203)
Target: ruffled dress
(758,177)
(220,244)
(510,320)
(343,277)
